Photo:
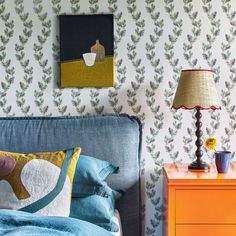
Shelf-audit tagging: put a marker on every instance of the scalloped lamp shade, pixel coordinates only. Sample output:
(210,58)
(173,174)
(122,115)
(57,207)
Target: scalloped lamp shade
(196,89)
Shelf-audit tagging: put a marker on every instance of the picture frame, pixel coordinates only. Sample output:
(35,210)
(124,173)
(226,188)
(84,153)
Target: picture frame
(86,50)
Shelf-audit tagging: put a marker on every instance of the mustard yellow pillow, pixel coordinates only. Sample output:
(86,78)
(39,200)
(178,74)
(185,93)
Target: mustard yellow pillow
(38,183)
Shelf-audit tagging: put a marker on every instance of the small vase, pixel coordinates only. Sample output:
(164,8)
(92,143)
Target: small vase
(99,50)
(222,160)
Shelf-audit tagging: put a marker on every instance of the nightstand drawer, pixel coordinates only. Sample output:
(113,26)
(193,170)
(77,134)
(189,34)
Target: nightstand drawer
(210,206)
(206,230)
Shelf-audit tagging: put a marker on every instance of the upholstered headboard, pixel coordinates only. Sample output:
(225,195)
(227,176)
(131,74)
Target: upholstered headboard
(115,138)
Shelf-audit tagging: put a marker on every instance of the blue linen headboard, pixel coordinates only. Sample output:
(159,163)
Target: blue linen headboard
(115,138)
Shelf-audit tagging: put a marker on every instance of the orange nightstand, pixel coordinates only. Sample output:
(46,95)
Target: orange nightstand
(198,203)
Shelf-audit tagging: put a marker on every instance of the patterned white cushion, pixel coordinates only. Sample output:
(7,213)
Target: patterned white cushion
(38,183)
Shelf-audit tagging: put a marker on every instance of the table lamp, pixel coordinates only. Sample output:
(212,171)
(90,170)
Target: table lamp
(196,90)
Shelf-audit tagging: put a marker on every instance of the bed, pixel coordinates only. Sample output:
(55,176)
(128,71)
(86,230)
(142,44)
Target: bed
(115,138)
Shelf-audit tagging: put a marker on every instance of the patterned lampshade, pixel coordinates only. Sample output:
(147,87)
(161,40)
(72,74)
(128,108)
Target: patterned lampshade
(196,89)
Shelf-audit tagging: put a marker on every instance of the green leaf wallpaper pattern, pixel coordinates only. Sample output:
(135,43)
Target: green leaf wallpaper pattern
(8,70)
(25,63)
(120,69)
(153,41)
(174,63)
(40,57)
(229,86)
(151,93)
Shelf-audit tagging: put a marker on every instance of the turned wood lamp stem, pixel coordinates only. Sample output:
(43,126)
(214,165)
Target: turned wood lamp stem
(198,133)
(198,164)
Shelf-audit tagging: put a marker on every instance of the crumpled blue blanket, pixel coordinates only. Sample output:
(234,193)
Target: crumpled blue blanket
(17,223)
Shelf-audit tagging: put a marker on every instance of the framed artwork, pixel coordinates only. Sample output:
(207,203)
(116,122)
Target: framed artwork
(86,51)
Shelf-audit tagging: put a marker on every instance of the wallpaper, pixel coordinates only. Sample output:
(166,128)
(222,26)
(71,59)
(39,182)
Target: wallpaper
(154,40)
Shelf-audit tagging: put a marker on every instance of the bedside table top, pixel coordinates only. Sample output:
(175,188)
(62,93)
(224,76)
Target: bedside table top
(179,174)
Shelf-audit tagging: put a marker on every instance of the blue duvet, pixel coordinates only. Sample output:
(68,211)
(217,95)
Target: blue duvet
(16,223)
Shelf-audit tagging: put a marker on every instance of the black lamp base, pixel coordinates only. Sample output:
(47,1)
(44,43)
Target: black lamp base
(199,165)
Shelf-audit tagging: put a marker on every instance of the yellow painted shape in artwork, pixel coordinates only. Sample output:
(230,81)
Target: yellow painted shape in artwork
(56,158)
(77,74)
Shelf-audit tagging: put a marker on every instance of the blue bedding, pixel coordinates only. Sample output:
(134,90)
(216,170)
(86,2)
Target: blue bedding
(17,223)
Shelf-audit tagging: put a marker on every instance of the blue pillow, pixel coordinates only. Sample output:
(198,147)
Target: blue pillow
(89,176)
(97,209)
